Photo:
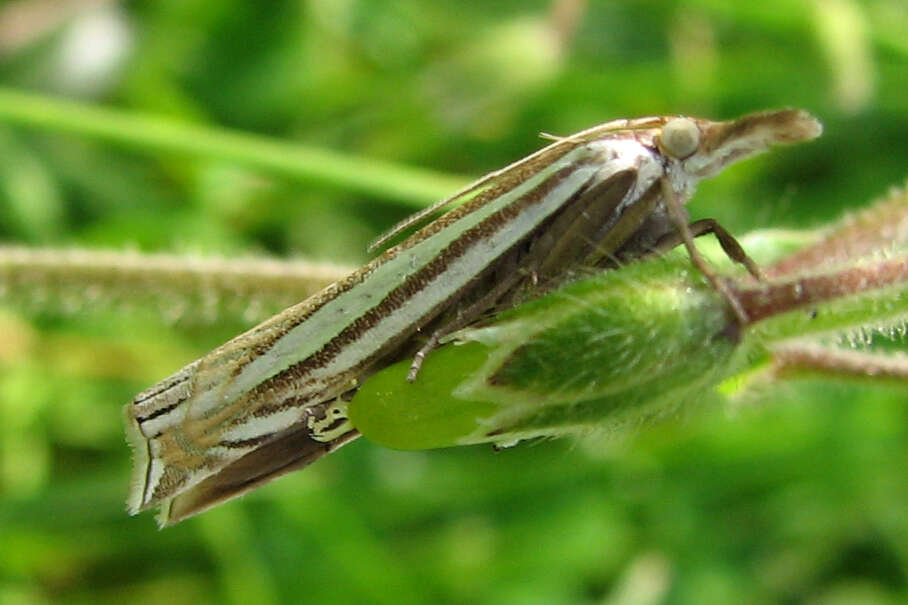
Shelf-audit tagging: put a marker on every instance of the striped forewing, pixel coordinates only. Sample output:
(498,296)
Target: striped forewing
(232,401)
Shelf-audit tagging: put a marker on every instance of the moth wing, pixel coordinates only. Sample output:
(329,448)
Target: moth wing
(292,451)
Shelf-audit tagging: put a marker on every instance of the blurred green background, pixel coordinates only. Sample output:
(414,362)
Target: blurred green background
(802,499)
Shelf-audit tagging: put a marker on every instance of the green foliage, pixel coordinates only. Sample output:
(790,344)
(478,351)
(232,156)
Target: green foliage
(801,499)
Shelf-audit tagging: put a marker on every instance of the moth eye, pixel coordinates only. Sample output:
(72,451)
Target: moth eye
(680,137)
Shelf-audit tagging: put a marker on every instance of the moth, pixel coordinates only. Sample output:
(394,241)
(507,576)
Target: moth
(272,400)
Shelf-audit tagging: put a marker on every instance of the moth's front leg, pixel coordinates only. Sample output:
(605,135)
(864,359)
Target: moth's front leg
(683,229)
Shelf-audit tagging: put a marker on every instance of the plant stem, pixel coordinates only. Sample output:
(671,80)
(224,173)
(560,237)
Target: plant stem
(777,298)
(809,359)
(185,288)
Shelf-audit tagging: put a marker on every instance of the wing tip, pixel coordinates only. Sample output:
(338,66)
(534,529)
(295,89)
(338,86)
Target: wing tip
(136,500)
(291,453)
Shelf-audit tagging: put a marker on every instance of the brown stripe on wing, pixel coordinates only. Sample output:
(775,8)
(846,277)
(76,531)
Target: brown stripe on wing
(160,411)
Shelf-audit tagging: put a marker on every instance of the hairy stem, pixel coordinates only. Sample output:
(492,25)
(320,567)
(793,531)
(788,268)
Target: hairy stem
(798,359)
(179,287)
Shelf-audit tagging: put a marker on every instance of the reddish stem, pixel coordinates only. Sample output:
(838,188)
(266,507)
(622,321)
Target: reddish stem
(763,301)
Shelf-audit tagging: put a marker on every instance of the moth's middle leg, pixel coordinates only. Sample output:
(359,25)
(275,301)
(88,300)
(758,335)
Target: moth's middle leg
(729,244)
(463,317)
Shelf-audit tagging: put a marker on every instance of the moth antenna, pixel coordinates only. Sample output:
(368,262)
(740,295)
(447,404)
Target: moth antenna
(572,138)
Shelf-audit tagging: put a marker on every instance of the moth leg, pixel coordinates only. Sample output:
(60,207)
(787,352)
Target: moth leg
(424,350)
(729,244)
(462,318)
(677,214)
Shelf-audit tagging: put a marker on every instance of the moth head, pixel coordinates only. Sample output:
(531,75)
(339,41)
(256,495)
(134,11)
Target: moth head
(719,144)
